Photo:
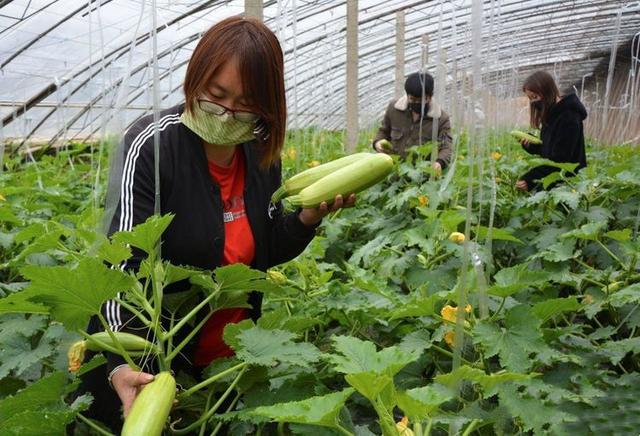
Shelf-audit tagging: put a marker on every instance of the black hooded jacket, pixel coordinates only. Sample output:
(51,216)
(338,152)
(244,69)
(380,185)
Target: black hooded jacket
(562,137)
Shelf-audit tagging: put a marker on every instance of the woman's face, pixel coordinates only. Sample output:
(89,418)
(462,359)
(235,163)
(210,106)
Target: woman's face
(532,95)
(226,88)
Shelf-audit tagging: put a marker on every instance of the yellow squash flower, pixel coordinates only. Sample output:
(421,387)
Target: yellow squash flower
(76,355)
(276,277)
(449,313)
(291,152)
(403,427)
(457,237)
(496,155)
(450,338)
(423,200)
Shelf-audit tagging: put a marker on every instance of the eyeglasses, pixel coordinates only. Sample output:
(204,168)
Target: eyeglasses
(217,109)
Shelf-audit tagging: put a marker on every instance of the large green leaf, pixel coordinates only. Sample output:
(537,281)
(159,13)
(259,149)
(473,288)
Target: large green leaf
(628,295)
(321,410)
(356,356)
(536,415)
(419,403)
(497,234)
(369,384)
(487,381)
(564,166)
(517,278)
(515,342)
(547,309)
(589,231)
(240,277)
(145,236)
(558,252)
(616,350)
(39,408)
(72,295)
(417,307)
(619,235)
(258,346)
(113,252)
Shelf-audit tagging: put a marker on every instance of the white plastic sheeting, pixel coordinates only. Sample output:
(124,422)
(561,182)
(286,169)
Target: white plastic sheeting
(74,69)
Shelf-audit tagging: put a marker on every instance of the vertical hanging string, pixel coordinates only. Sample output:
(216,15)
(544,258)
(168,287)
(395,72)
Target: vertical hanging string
(97,187)
(91,148)
(475,57)
(294,29)
(156,113)
(440,78)
(2,147)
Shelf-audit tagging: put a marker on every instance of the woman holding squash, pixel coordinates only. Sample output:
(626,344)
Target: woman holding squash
(560,120)
(219,165)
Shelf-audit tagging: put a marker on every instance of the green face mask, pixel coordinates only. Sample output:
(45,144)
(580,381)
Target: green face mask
(218,129)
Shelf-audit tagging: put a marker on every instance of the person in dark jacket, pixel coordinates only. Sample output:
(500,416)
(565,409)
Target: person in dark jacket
(219,165)
(410,120)
(559,119)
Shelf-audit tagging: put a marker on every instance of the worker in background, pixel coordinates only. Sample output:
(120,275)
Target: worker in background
(559,119)
(408,121)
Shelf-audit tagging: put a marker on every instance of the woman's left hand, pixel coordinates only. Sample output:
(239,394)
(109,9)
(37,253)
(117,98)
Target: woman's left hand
(522,185)
(312,216)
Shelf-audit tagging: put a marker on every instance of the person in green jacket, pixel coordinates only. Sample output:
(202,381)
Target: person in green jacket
(409,121)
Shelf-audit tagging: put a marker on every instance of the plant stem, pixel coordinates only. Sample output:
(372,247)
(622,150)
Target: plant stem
(436,260)
(343,430)
(229,409)
(586,265)
(203,427)
(93,426)
(191,314)
(450,354)
(169,347)
(207,382)
(499,309)
(612,254)
(427,431)
(417,428)
(104,345)
(626,318)
(470,427)
(117,343)
(210,412)
(141,299)
(594,282)
(134,311)
(157,291)
(172,355)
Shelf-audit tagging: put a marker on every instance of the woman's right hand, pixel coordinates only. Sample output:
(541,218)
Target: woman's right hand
(525,143)
(383,146)
(128,384)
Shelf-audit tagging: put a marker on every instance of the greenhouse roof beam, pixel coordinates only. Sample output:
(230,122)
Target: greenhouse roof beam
(117,52)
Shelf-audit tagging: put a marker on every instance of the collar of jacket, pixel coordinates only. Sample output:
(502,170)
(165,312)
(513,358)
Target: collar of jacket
(435,111)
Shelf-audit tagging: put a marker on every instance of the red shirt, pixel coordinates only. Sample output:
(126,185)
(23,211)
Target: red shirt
(239,247)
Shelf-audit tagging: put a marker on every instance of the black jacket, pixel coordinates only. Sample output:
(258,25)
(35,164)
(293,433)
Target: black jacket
(562,137)
(195,237)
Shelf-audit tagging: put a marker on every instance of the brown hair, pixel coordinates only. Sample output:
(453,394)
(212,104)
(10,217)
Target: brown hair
(541,83)
(261,66)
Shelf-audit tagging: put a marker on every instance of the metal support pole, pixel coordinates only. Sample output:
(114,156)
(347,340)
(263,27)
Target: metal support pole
(400,38)
(352,75)
(254,9)
(425,52)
